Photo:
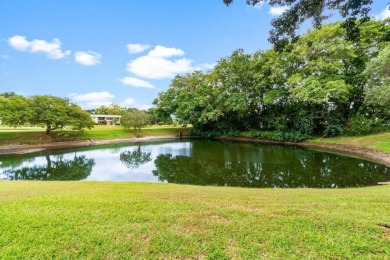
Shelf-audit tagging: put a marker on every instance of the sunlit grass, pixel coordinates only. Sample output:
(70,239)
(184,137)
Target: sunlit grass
(118,132)
(21,128)
(136,221)
(377,141)
(99,132)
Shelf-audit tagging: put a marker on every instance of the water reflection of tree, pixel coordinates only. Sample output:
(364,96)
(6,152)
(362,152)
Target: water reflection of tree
(308,170)
(134,159)
(60,169)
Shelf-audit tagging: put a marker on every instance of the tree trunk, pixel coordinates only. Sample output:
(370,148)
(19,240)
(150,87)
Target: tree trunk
(48,128)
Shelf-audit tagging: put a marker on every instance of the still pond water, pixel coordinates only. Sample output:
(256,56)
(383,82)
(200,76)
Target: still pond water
(199,162)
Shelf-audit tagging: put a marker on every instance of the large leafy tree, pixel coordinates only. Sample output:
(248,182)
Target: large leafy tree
(57,113)
(134,118)
(52,112)
(378,85)
(285,26)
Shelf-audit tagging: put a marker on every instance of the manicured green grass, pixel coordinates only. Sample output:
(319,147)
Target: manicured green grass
(37,136)
(136,221)
(377,141)
(21,137)
(118,132)
(23,128)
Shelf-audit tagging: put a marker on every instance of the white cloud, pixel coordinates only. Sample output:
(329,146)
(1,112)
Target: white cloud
(384,14)
(137,48)
(128,102)
(19,43)
(93,99)
(160,63)
(158,68)
(88,58)
(131,102)
(164,52)
(207,66)
(51,49)
(134,82)
(258,5)
(275,11)
(142,107)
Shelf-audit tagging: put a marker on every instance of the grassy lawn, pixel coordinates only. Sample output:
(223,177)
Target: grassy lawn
(377,141)
(99,132)
(134,220)
(117,132)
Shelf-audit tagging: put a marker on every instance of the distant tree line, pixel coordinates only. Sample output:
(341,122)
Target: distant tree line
(55,113)
(324,83)
(135,118)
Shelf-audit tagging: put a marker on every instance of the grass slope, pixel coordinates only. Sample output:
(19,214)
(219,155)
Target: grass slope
(37,136)
(134,220)
(379,142)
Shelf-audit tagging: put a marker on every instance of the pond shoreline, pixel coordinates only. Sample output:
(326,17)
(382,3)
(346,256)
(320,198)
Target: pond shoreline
(375,155)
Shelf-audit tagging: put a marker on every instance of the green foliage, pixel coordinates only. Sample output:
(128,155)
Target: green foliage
(57,113)
(159,116)
(312,87)
(378,85)
(332,129)
(7,94)
(362,125)
(52,112)
(277,135)
(113,109)
(298,11)
(134,118)
(15,110)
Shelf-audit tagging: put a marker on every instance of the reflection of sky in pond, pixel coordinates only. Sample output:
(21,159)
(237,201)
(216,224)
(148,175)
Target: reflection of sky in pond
(107,166)
(199,162)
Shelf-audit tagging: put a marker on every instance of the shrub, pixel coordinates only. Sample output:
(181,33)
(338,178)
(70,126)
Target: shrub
(292,136)
(361,125)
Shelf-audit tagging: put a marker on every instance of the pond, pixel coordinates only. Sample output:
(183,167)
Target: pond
(198,162)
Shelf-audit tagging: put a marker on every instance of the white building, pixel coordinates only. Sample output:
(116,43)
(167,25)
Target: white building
(106,119)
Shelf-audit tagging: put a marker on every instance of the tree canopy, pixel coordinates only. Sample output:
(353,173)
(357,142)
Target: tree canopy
(378,87)
(134,118)
(53,113)
(113,109)
(315,86)
(299,11)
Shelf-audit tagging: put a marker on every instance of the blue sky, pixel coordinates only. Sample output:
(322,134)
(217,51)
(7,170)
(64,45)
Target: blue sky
(98,52)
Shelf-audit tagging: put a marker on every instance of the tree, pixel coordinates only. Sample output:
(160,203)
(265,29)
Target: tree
(7,94)
(285,26)
(113,109)
(159,116)
(15,110)
(134,118)
(378,85)
(49,111)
